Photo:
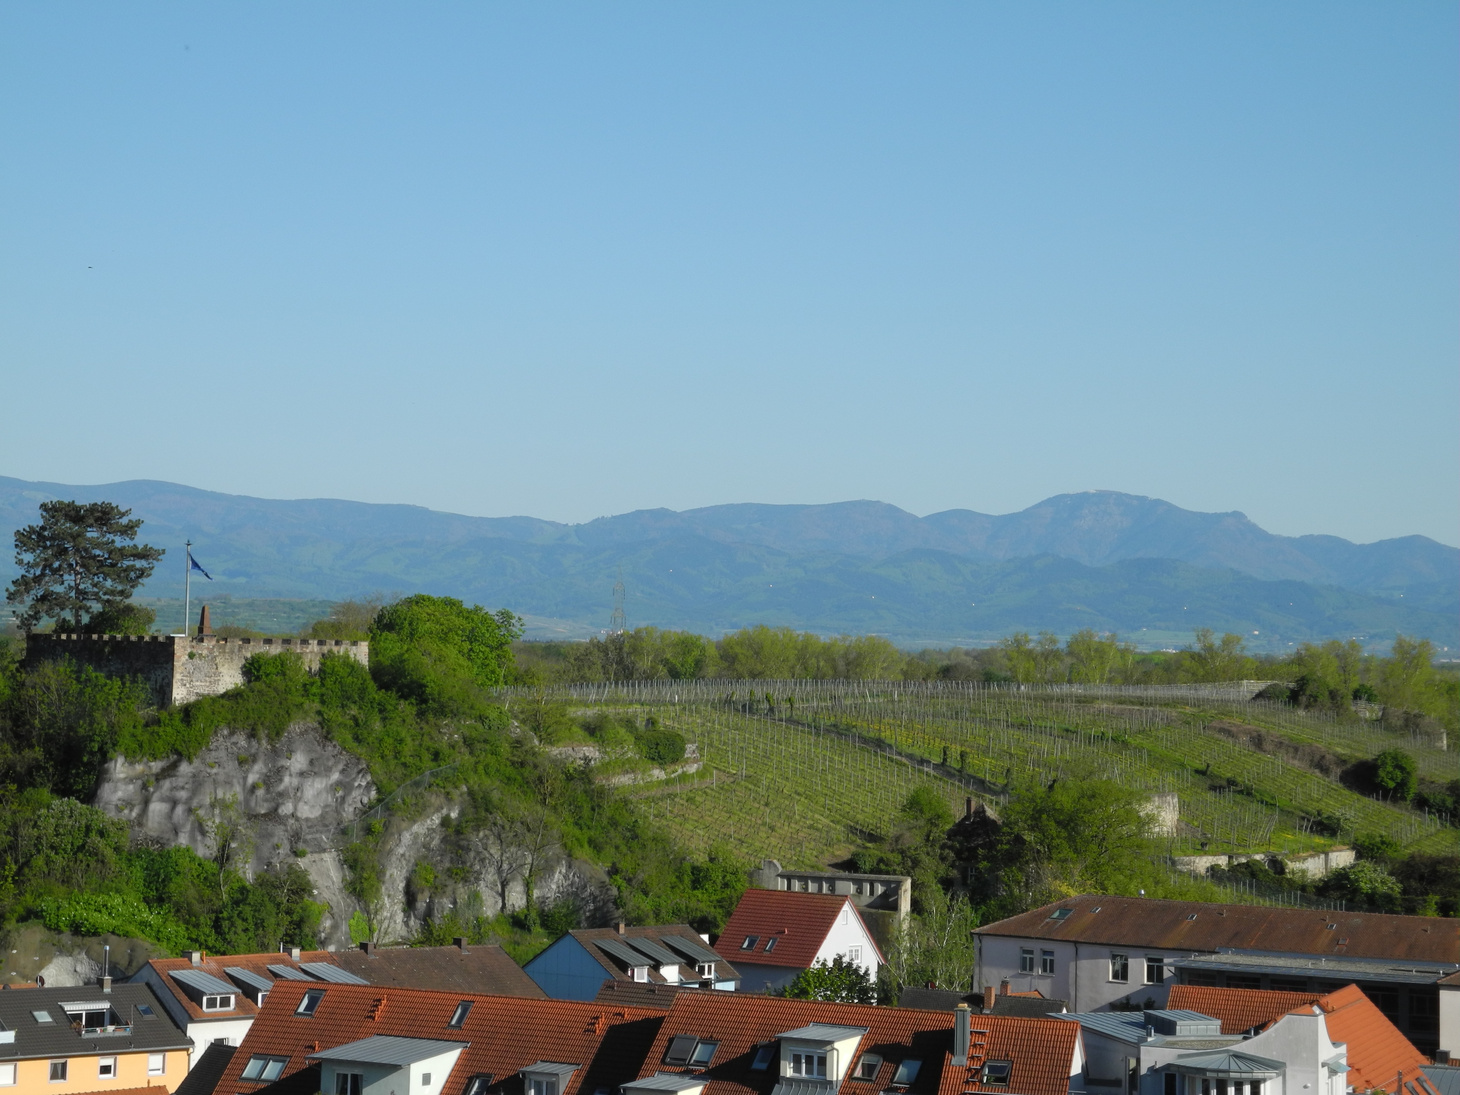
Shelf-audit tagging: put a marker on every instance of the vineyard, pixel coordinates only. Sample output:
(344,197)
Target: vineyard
(799,770)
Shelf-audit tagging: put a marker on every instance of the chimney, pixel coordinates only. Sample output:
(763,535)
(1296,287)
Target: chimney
(460,944)
(294,953)
(205,625)
(195,958)
(106,984)
(368,947)
(960,1035)
(1004,987)
(989,996)
(620,926)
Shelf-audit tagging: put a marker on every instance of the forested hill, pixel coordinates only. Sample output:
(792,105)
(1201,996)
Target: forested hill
(1104,560)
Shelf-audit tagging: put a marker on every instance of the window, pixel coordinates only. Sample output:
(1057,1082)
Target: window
(1256,1087)
(309,1002)
(640,973)
(700,1058)
(1061,914)
(146,1012)
(157,1064)
(1155,969)
(106,1068)
(846,914)
(996,1073)
(91,1018)
(1168,1084)
(478,1084)
(542,1087)
(1046,962)
(263,1069)
(348,1083)
(7,1074)
(750,942)
(58,1072)
(218,1003)
(458,1016)
(1026,960)
(907,1071)
(867,1067)
(770,945)
(705,969)
(763,1055)
(681,1046)
(854,955)
(42,1016)
(809,1064)
(425,1079)
(1119,967)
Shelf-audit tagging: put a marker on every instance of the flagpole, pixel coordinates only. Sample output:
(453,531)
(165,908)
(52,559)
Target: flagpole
(188,589)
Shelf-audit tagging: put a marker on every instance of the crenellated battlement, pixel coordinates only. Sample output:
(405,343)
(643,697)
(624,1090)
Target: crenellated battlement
(179,668)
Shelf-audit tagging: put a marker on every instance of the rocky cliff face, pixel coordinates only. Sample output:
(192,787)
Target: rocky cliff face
(293,801)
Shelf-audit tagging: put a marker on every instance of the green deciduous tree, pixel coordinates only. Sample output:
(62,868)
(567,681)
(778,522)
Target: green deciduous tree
(1396,774)
(1406,675)
(435,650)
(80,558)
(1098,659)
(1223,659)
(840,981)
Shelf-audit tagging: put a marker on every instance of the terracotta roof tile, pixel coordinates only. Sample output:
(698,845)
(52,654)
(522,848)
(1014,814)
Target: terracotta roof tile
(799,922)
(480,969)
(504,1033)
(1042,1050)
(1198,926)
(1377,1051)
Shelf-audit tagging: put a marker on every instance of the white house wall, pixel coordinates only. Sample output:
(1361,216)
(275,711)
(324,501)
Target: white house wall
(1081,972)
(846,933)
(1450,1020)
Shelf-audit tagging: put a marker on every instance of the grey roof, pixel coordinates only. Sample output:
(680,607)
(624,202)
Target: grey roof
(256,981)
(1130,1027)
(554,1068)
(289,973)
(207,1070)
(1443,1078)
(622,952)
(328,971)
(59,1039)
(1338,969)
(667,1081)
(387,1049)
(660,956)
(691,949)
(802,1086)
(824,1032)
(1230,1062)
(203,981)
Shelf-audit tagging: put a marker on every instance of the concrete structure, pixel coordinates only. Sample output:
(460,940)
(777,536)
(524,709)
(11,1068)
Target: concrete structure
(1160,1052)
(1312,864)
(877,892)
(1449,1046)
(179,668)
(578,964)
(775,934)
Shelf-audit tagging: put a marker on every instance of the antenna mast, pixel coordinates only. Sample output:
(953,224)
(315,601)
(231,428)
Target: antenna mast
(617,624)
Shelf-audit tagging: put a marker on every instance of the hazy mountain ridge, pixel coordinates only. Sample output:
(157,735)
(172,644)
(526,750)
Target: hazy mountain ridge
(1099,559)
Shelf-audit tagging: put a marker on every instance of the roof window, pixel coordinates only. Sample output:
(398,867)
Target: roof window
(263,1069)
(478,1084)
(146,1012)
(750,942)
(309,1002)
(1061,914)
(763,1055)
(996,1073)
(1192,916)
(41,1016)
(867,1067)
(686,1049)
(1096,909)
(458,1017)
(770,945)
(907,1071)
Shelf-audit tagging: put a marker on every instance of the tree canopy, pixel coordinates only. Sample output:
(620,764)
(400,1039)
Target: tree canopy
(78,559)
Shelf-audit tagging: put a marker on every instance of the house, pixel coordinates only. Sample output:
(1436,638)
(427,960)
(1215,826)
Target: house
(215,1000)
(576,965)
(364,1040)
(1098,951)
(1449,1019)
(775,934)
(639,994)
(458,968)
(1029,1005)
(1377,1052)
(94,1038)
(747,1044)
(885,900)
(1162,1051)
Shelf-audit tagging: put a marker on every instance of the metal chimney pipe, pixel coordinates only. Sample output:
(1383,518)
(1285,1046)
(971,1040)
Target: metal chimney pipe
(961,1035)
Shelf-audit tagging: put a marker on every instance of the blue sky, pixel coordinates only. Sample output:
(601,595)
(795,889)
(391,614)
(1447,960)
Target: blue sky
(572,260)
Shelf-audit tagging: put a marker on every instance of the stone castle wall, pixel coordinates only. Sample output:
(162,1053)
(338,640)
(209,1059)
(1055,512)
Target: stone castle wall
(179,668)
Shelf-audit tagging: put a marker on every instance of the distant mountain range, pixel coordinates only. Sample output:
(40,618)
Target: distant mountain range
(1101,559)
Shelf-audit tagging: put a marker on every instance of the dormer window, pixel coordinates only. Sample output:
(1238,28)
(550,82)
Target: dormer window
(705,969)
(640,973)
(219,1002)
(808,1064)
(867,1067)
(907,1071)
(750,942)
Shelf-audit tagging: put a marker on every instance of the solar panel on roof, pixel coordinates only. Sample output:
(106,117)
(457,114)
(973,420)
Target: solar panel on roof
(289,973)
(324,971)
(694,951)
(626,955)
(247,978)
(657,954)
(203,981)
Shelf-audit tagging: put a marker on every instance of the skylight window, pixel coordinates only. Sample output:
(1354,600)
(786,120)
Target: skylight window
(867,1067)
(146,1012)
(686,1049)
(458,1017)
(763,1055)
(907,1071)
(750,942)
(996,1073)
(478,1084)
(770,945)
(42,1016)
(700,1058)
(1061,914)
(263,1069)
(309,1002)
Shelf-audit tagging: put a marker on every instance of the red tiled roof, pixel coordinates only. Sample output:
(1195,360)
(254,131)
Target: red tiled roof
(1198,926)
(254,963)
(1377,1051)
(799,923)
(505,1034)
(1042,1050)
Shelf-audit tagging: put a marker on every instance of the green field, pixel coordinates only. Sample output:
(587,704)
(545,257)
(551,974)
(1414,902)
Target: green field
(802,777)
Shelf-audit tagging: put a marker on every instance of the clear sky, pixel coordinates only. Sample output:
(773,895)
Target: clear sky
(572,260)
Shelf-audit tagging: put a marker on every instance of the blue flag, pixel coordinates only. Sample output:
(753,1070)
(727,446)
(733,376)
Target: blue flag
(194,566)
